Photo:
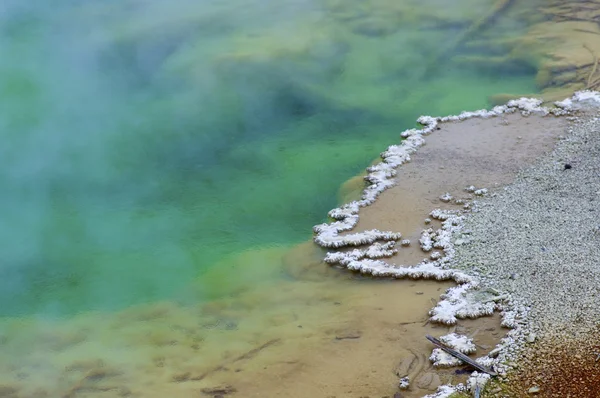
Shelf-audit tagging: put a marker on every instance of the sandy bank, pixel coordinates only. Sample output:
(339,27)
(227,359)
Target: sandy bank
(500,143)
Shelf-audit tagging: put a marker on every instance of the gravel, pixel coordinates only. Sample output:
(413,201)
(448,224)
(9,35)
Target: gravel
(538,239)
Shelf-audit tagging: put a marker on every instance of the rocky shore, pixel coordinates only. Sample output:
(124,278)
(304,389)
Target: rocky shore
(524,247)
(538,241)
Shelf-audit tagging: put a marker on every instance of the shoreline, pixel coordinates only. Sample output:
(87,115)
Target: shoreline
(322,332)
(460,301)
(550,218)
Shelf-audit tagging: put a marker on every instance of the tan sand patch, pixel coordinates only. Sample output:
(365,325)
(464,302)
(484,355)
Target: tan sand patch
(480,152)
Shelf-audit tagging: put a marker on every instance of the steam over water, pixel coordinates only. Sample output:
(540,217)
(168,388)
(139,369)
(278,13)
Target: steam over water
(144,143)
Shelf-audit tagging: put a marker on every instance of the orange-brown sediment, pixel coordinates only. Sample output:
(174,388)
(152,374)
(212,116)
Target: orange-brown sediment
(559,366)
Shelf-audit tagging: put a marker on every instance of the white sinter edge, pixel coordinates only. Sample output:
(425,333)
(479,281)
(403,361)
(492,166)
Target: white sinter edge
(466,300)
(442,392)
(461,343)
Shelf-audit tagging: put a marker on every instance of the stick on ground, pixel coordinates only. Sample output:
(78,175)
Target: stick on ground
(460,356)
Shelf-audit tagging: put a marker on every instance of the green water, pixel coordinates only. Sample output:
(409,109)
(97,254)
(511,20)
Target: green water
(144,141)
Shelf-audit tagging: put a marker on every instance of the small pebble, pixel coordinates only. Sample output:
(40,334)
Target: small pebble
(404,383)
(446,197)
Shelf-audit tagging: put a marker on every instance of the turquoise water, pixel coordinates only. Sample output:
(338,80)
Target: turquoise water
(143,142)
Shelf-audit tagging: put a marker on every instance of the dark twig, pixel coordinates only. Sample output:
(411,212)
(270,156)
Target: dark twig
(594,66)
(460,356)
(247,355)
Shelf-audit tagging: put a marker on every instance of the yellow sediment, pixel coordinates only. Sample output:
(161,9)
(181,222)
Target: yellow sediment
(563,47)
(564,50)
(352,189)
(293,339)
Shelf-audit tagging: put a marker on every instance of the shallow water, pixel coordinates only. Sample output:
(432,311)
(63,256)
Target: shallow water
(145,142)
(160,152)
